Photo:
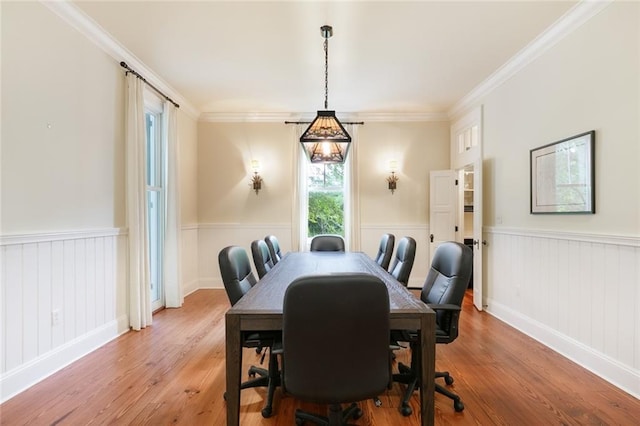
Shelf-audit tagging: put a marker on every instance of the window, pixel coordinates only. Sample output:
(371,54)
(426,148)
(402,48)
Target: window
(326,199)
(155,200)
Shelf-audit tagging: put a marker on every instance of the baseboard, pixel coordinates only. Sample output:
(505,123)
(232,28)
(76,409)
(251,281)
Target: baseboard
(38,369)
(191,286)
(620,375)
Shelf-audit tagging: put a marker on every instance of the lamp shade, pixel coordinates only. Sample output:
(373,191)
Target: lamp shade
(326,140)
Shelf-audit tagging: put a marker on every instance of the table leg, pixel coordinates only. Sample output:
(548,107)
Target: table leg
(428,368)
(233,365)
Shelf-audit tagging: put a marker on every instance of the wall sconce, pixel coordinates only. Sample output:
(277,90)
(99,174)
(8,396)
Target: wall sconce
(256,180)
(392,179)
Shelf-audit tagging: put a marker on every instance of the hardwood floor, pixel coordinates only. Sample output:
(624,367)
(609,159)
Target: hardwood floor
(173,373)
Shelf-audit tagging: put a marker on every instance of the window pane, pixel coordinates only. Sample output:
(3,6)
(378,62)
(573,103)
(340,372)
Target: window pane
(326,199)
(151,143)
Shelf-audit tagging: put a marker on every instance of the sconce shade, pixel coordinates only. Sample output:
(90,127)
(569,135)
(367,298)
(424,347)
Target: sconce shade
(326,140)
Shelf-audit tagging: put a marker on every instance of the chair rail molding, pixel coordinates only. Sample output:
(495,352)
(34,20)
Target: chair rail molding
(622,240)
(39,237)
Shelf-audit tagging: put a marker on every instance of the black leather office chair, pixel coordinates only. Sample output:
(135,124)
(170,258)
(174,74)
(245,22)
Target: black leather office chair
(385,250)
(238,279)
(274,248)
(403,260)
(443,291)
(335,343)
(261,257)
(327,243)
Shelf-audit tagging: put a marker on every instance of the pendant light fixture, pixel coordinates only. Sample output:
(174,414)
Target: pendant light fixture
(326,140)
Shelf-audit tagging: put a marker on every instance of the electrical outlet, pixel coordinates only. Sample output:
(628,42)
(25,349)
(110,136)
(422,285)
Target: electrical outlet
(55,317)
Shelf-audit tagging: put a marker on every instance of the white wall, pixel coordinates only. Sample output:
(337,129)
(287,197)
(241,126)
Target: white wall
(62,126)
(188,147)
(571,281)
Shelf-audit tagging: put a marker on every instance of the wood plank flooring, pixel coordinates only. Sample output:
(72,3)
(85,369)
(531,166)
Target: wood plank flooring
(173,373)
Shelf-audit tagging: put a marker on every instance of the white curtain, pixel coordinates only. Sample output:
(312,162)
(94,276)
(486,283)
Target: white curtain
(352,202)
(139,272)
(172,242)
(299,204)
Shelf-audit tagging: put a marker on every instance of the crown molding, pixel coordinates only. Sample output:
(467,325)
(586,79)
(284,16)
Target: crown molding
(402,116)
(89,28)
(565,25)
(279,117)
(249,117)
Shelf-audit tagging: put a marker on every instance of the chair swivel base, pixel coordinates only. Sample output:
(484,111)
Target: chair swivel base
(407,377)
(337,416)
(266,378)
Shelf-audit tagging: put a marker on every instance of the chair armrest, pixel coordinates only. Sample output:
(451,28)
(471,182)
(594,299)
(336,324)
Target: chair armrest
(444,307)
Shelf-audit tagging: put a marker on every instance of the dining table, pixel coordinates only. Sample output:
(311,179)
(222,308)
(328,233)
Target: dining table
(260,309)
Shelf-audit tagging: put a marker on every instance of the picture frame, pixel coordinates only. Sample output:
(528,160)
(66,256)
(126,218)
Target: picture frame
(562,176)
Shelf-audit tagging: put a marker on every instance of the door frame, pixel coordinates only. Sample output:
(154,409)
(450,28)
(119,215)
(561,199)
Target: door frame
(466,150)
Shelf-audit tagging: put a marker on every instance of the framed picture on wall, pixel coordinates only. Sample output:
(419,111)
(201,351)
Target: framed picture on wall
(563,176)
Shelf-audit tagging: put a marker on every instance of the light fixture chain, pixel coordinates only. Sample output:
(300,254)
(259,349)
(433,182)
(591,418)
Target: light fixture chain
(326,73)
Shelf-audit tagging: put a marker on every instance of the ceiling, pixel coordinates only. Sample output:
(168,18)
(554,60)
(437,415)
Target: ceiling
(267,57)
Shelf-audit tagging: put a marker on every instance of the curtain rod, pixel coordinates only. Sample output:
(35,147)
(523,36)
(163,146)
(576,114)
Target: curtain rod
(309,122)
(124,65)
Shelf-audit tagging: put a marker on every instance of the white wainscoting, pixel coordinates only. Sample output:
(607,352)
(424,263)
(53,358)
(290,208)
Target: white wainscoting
(189,265)
(579,294)
(62,297)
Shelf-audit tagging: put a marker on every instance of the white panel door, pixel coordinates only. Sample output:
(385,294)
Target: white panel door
(442,210)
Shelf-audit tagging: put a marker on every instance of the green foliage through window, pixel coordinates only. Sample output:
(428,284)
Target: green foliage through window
(326,199)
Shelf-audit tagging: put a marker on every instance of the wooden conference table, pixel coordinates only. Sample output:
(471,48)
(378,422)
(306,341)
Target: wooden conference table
(261,309)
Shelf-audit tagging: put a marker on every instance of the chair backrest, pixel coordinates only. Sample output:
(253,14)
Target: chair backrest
(446,283)
(261,257)
(327,243)
(236,272)
(336,338)
(403,260)
(385,250)
(274,248)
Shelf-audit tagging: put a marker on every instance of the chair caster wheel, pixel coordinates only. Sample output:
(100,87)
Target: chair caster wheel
(406,410)
(299,422)
(266,412)
(403,369)
(458,406)
(448,380)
